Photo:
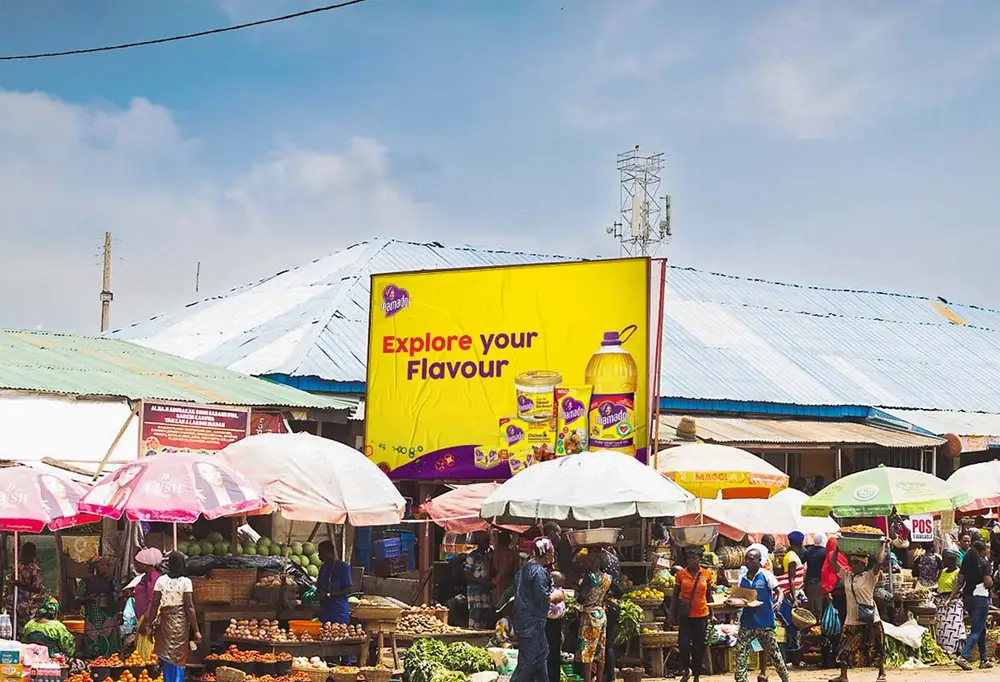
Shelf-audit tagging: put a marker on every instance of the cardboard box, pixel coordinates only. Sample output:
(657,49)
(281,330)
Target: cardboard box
(11,671)
(747,594)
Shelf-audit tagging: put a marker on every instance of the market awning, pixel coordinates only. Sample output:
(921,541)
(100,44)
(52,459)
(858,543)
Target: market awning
(748,432)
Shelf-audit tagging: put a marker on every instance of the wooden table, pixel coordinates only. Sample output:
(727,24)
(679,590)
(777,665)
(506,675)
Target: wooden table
(209,614)
(321,649)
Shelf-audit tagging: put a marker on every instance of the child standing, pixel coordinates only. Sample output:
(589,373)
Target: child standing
(554,626)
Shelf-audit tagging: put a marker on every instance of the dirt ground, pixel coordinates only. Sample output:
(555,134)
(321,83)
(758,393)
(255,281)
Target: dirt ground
(934,674)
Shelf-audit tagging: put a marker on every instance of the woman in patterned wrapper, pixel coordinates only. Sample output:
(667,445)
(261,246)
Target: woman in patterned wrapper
(115,492)
(216,488)
(55,497)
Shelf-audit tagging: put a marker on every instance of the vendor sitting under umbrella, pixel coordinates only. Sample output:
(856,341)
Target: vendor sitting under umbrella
(47,630)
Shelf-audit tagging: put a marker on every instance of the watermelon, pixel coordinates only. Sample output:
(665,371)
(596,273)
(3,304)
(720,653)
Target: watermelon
(182,547)
(308,549)
(263,542)
(313,571)
(207,548)
(221,548)
(264,551)
(250,550)
(215,538)
(277,549)
(297,548)
(239,550)
(194,550)
(314,561)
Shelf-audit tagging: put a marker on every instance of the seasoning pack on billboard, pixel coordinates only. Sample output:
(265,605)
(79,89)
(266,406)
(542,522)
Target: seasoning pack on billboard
(481,373)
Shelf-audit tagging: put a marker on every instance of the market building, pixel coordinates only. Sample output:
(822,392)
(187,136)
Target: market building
(795,373)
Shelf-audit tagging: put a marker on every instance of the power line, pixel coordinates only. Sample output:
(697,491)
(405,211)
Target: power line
(173,39)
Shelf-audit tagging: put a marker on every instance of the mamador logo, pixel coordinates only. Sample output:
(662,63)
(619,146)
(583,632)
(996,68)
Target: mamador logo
(394,299)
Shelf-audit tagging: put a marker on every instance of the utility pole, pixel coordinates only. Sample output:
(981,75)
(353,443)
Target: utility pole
(106,295)
(197,278)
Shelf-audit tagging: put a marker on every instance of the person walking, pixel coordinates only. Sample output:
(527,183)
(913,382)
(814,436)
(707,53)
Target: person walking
(689,609)
(611,565)
(861,642)
(757,622)
(975,580)
(594,586)
(834,595)
(173,613)
(949,620)
(532,595)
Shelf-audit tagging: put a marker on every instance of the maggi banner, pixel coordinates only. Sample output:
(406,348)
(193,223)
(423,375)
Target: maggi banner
(480,373)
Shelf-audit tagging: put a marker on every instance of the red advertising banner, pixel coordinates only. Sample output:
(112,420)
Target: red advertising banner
(185,427)
(266,422)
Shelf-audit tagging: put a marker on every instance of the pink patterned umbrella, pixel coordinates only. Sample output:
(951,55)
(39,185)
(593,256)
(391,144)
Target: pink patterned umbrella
(173,488)
(31,499)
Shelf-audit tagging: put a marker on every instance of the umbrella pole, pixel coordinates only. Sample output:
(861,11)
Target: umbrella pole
(701,510)
(17,564)
(175,536)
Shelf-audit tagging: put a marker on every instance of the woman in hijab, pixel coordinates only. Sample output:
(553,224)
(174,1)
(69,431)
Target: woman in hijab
(46,629)
(146,563)
(99,593)
(173,612)
(532,592)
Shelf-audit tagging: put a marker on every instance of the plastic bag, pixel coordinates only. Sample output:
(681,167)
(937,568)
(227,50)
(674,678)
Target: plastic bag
(830,623)
(909,633)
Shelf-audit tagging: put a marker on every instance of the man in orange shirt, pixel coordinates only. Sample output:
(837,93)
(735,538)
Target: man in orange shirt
(689,609)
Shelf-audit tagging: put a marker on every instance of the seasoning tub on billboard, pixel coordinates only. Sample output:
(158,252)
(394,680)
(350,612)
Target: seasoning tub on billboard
(480,373)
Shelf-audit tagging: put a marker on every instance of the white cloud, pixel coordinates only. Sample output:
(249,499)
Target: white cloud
(69,172)
(808,69)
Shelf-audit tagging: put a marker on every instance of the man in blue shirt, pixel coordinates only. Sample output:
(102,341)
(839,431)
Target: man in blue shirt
(333,586)
(757,622)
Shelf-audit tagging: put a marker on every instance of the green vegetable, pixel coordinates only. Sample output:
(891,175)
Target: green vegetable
(450,676)
(629,621)
(468,659)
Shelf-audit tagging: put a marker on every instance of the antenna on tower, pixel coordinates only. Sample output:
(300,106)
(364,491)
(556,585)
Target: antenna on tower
(645,219)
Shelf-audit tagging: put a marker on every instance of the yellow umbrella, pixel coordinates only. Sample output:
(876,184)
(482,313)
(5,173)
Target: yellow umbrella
(706,470)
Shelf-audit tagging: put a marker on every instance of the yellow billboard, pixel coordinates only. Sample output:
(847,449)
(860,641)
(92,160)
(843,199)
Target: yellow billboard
(479,373)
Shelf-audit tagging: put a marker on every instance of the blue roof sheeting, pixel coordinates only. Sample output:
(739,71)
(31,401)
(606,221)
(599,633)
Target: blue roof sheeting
(725,337)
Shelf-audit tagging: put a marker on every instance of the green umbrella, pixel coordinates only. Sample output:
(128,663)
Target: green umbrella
(875,492)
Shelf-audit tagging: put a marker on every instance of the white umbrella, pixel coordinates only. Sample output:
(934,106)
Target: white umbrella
(316,479)
(982,481)
(593,486)
(778,516)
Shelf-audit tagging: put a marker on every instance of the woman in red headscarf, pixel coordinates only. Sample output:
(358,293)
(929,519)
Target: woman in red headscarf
(834,593)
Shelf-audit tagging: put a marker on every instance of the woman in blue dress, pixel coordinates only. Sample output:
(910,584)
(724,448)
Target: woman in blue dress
(532,592)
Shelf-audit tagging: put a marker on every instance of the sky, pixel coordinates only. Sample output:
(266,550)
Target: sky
(849,144)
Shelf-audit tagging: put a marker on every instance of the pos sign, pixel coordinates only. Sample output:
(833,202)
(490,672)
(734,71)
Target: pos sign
(922,528)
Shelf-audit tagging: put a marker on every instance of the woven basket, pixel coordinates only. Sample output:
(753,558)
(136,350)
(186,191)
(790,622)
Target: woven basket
(344,676)
(442,614)
(379,613)
(313,675)
(669,638)
(211,591)
(376,674)
(242,580)
(227,674)
(803,619)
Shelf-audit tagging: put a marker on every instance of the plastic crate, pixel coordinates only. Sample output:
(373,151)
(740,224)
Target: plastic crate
(388,548)
(409,542)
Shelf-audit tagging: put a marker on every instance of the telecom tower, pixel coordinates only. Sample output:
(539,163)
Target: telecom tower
(644,221)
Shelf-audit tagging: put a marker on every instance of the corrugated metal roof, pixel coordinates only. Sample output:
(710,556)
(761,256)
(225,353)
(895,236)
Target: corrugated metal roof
(729,431)
(724,337)
(44,362)
(959,423)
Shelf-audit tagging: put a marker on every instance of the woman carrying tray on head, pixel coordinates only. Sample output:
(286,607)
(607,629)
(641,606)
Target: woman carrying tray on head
(861,642)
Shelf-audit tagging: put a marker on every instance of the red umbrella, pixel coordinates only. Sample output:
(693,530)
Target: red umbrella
(174,488)
(457,511)
(31,499)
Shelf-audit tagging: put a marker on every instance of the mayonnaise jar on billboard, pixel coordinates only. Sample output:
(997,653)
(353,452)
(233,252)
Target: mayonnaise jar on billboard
(479,373)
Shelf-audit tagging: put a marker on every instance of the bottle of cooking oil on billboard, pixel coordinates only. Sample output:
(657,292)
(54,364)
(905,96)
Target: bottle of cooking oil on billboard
(615,378)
